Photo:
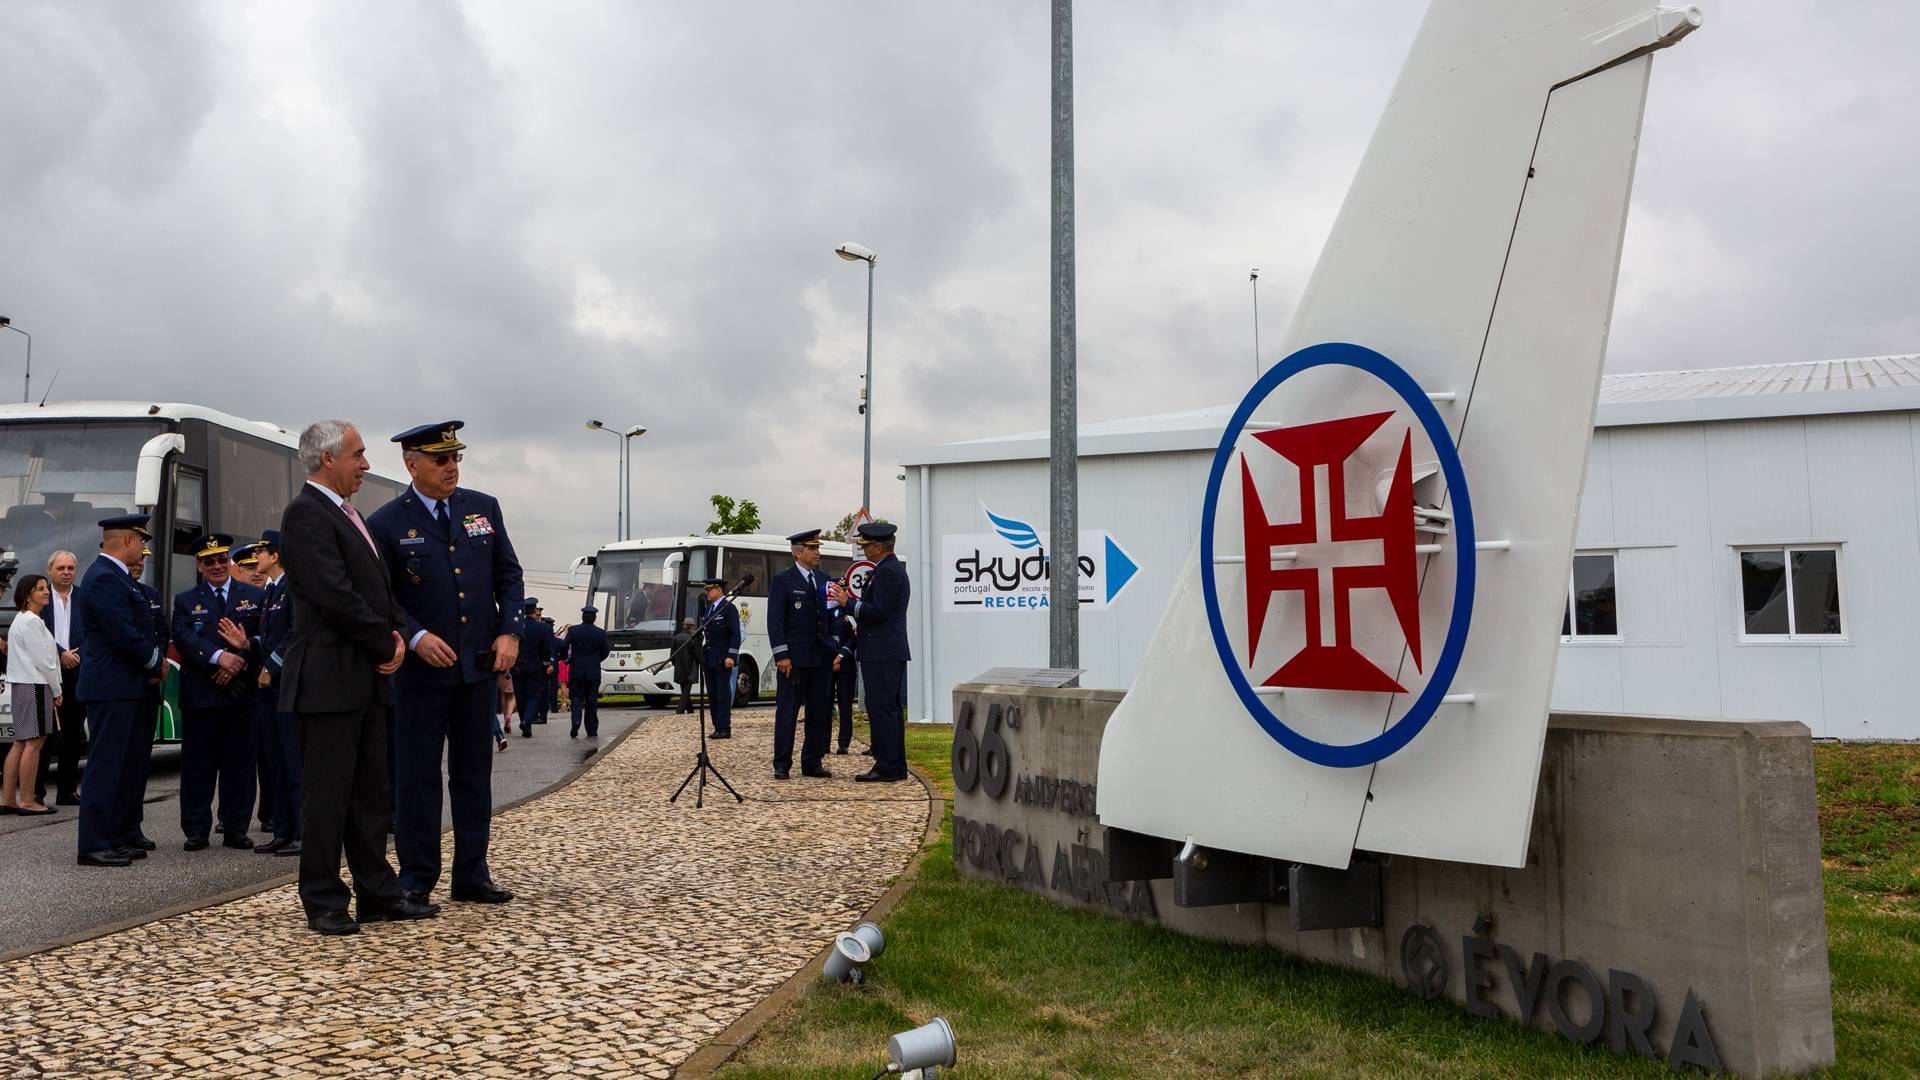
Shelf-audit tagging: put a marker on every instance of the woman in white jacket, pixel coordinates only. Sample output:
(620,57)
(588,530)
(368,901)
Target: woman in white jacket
(33,677)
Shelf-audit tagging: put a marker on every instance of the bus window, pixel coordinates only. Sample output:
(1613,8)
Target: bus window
(189,519)
(58,479)
(740,564)
(255,484)
(635,590)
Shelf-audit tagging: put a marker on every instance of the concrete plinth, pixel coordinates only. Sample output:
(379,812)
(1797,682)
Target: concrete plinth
(1671,903)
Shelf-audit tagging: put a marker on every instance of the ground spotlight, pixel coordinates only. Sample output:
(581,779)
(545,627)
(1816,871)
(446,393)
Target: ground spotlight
(923,1048)
(870,936)
(843,963)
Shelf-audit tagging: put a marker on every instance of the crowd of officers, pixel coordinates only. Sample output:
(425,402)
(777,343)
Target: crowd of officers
(330,772)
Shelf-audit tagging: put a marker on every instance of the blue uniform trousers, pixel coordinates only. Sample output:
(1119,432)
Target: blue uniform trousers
(456,721)
(265,742)
(586,703)
(110,724)
(282,738)
(811,689)
(844,683)
(884,680)
(216,743)
(720,698)
(529,687)
(130,802)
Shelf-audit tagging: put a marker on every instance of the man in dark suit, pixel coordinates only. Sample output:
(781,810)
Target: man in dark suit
(882,614)
(458,583)
(133,777)
(216,627)
(530,667)
(801,633)
(686,660)
(345,638)
(122,660)
(719,651)
(279,729)
(587,649)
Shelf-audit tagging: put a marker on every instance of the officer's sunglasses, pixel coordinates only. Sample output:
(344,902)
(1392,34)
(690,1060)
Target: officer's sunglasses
(443,459)
(214,560)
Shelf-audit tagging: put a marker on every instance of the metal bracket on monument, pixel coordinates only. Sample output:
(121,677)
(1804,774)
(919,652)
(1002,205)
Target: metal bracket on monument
(1133,856)
(1328,899)
(1203,877)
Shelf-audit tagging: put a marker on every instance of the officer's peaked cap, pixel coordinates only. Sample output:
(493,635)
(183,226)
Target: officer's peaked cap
(437,438)
(810,538)
(136,522)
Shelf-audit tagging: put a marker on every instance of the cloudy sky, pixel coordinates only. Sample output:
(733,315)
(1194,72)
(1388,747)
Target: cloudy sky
(527,215)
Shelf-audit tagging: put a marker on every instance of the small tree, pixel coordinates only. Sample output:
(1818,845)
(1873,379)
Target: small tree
(731,518)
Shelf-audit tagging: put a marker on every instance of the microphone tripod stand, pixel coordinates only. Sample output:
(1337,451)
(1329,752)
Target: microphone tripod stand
(702,764)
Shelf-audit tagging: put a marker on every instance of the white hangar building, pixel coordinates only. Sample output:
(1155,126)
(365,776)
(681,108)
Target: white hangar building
(1748,548)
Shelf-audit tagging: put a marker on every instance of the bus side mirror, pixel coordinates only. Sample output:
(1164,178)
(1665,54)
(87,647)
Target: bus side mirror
(152,466)
(573,571)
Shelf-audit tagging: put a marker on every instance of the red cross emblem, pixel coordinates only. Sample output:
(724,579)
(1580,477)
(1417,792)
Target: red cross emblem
(1328,445)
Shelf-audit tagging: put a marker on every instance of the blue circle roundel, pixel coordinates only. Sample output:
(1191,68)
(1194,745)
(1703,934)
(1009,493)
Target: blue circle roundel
(1348,755)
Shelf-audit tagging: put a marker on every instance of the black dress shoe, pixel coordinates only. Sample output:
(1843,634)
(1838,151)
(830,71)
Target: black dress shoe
(103,858)
(779,774)
(130,853)
(291,848)
(237,840)
(526,731)
(817,773)
(721,735)
(194,843)
(67,798)
(333,924)
(399,910)
(842,750)
(484,893)
(6,811)
(574,734)
(271,847)
(874,776)
(140,841)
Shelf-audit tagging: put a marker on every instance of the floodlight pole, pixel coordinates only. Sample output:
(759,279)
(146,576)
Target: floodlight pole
(1254,277)
(1063,464)
(620,480)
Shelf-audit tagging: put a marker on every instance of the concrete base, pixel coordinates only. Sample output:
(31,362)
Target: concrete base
(1671,904)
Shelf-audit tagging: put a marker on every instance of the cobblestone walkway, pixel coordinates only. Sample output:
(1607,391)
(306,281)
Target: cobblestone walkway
(640,930)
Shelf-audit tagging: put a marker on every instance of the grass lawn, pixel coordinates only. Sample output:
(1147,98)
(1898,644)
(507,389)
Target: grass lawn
(1036,990)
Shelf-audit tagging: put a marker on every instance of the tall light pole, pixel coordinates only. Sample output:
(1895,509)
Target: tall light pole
(626,476)
(26,390)
(860,253)
(619,509)
(1253,276)
(1063,465)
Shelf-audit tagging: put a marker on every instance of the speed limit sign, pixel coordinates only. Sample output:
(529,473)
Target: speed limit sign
(857,576)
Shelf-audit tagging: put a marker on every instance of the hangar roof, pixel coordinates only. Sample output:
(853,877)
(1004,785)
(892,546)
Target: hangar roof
(1809,388)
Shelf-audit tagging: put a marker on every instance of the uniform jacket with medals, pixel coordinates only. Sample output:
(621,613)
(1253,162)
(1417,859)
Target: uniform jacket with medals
(125,647)
(722,637)
(798,624)
(196,637)
(461,583)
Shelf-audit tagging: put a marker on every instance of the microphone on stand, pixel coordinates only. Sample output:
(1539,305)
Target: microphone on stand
(744,582)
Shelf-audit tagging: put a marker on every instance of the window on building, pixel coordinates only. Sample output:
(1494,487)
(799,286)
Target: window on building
(1591,598)
(1789,592)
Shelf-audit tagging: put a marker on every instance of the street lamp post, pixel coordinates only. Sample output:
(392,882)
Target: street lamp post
(859,253)
(623,495)
(26,389)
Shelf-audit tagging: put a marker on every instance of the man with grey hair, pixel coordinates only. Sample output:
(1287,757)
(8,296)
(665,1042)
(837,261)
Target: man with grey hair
(70,743)
(345,636)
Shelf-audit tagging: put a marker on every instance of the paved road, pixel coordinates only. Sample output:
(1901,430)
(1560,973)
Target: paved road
(49,898)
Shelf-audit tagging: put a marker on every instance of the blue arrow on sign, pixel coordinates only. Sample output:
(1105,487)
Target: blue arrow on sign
(1120,569)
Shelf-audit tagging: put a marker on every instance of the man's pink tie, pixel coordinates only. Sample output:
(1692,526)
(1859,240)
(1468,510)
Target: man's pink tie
(353,515)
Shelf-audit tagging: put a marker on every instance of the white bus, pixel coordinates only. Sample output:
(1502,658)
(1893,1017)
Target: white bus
(64,466)
(643,589)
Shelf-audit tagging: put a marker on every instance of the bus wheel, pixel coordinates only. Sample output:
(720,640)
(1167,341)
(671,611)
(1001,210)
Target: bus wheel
(659,701)
(746,682)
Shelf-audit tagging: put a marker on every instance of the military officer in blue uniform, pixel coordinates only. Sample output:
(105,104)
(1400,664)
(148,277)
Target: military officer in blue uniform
(531,666)
(123,661)
(280,730)
(246,567)
(720,651)
(587,649)
(881,612)
(458,582)
(800,629)
(216,630)
(133,778)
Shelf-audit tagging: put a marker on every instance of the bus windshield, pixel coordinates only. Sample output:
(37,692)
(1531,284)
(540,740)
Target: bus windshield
(57,480)
(635,590)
